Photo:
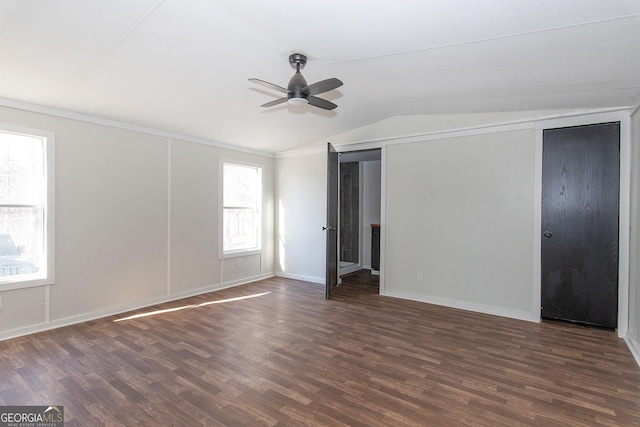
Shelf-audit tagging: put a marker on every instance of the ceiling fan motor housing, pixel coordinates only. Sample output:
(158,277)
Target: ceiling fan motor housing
(297,59)
(296,95)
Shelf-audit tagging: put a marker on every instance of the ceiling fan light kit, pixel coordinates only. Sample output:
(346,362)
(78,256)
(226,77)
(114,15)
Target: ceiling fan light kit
(297,101)
(298,91)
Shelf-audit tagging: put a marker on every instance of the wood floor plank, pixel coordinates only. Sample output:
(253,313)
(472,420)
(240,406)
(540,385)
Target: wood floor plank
(276,353)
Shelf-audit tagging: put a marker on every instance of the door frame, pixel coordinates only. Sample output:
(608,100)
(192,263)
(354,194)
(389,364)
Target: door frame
(358,155)
(346,149)
(624,207)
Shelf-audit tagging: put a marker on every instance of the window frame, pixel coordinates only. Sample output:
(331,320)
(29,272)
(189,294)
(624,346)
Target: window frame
(48,226)
(239,252)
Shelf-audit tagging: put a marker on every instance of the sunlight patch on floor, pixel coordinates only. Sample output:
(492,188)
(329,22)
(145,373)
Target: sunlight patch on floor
(169,310)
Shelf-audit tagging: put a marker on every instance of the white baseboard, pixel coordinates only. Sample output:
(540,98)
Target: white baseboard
(634,347)
(59,323)
(479,308)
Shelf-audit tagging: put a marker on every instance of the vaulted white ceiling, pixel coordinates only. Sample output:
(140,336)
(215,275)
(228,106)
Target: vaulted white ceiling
(182,65)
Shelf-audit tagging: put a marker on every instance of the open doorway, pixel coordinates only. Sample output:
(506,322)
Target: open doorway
(359,211)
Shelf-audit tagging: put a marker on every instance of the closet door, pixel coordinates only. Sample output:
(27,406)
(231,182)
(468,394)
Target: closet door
(580,195)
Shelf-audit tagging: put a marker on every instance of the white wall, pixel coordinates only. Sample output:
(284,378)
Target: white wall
(194,176)
(301,183)
(633,334)
(460,211)
(111,218)
(136,223)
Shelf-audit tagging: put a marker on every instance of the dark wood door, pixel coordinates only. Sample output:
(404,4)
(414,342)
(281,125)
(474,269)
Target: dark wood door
(580,197)
(333,205)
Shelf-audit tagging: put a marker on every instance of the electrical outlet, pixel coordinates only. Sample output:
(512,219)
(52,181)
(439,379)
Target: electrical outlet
(420,276)
(239,263)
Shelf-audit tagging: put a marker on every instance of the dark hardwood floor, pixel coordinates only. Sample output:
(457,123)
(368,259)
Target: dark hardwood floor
(276,353)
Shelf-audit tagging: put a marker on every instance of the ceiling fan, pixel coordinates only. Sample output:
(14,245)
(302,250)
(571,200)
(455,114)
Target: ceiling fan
(298,91)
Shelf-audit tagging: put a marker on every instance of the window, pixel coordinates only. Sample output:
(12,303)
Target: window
(26,243)
(241,201)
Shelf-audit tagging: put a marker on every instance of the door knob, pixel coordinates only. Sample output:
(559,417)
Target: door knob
(330,228)
(547,234)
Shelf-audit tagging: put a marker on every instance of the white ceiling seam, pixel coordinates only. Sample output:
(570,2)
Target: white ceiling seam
(108,51)
(470,42)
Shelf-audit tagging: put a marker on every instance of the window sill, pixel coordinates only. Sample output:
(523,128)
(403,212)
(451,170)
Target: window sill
(9,285)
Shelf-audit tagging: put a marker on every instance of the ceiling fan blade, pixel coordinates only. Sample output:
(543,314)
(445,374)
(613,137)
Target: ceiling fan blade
(276,102)
(269,85)
(322,86)
(321,103)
